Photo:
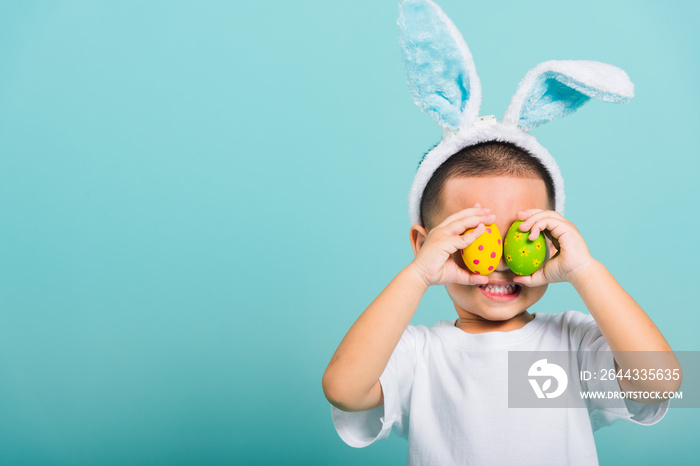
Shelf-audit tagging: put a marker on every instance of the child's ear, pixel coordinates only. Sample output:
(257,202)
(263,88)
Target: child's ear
(555,88)
(417,237)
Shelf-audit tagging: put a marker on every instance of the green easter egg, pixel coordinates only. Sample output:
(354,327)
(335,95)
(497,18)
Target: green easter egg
(523,256)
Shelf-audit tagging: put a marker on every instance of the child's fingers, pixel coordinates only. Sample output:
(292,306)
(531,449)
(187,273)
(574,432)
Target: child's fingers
(464,277)
(554,243)
(543,220)
(536,279)
(533,215)
(525,214)
(476,210)
(555,228)
(468,238)
(454,243)
(460,225)
(530,218)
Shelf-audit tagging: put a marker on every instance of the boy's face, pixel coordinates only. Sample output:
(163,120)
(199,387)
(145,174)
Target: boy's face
(505,196)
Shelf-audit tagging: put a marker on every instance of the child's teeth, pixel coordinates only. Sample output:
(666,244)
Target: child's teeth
(500,289)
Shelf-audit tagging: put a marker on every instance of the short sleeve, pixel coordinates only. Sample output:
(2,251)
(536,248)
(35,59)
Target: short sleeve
(595,354)
(362,428)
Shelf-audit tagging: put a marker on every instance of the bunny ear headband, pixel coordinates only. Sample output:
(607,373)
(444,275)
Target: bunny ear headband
(443,83)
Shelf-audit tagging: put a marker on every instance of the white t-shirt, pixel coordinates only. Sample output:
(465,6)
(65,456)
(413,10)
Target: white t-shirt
(446,391)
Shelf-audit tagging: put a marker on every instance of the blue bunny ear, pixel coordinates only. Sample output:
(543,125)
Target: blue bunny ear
(439,67)
(554,89)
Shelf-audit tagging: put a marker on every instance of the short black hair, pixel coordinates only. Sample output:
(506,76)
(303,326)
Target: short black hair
(491,158)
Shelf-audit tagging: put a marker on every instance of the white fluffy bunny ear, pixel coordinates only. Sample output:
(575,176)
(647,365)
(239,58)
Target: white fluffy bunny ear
(556,88)
(439,67)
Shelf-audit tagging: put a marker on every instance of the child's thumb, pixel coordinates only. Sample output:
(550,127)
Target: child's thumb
(536,279)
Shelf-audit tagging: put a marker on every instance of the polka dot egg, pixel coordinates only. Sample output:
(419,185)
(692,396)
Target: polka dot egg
(483,255)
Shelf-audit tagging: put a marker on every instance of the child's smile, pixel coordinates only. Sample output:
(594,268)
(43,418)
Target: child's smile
(501,291)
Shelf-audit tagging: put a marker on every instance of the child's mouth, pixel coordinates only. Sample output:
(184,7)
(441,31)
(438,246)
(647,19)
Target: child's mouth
(501,293)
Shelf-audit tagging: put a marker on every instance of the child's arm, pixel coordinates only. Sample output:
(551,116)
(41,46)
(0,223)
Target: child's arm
(351,381)
(623,323)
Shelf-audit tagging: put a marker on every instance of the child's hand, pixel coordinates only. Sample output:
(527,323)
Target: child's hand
(434,261)
(572,254)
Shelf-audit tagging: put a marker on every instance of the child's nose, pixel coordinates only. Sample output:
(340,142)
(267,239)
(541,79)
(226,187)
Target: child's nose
(502,266)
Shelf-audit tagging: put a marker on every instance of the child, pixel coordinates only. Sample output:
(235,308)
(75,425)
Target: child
(445,387)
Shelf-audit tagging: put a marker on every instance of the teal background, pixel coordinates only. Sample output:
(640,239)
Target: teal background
(197,200)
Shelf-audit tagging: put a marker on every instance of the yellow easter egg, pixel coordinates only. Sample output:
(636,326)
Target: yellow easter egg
(483,255)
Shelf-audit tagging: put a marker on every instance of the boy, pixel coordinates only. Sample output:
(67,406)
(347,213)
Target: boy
(445,387)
